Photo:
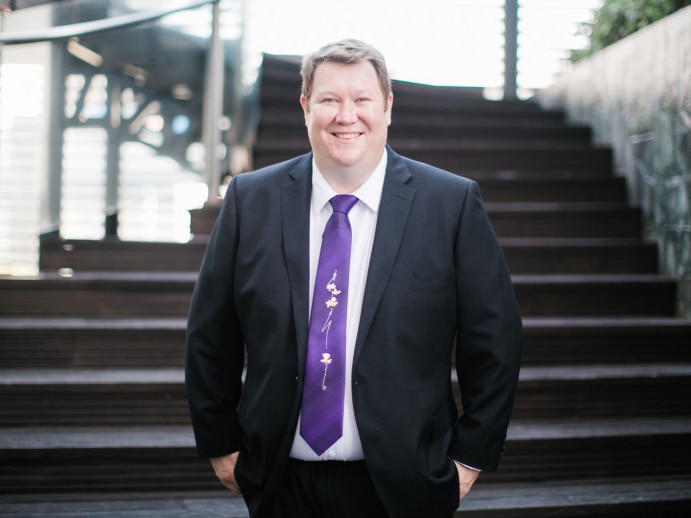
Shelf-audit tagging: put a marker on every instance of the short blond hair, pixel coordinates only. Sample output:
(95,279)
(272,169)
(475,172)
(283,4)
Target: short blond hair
(348,52)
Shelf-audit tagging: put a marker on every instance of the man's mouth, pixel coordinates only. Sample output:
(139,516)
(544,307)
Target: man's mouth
(346,136)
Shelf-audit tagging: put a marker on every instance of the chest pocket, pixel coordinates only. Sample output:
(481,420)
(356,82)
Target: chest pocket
(430,279)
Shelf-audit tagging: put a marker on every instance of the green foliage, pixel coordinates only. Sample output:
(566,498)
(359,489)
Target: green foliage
(616,19)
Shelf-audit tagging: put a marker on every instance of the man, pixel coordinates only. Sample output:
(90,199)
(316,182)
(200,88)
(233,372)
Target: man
(425,272)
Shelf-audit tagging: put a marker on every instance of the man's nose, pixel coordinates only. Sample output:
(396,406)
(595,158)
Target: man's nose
(347,112)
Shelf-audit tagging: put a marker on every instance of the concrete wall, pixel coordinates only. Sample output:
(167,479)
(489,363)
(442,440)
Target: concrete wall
(636,95)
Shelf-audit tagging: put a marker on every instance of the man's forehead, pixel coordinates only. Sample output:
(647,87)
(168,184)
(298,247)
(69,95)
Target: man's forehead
(325,78)
(345,66)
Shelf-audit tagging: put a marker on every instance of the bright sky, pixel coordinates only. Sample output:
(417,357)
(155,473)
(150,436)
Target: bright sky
(446,42)
(443,42)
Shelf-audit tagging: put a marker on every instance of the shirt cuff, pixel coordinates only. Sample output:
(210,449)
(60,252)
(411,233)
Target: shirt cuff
(466,466)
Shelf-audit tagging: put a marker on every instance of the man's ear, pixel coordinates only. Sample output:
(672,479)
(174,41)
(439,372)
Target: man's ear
(389,104)
(305,106)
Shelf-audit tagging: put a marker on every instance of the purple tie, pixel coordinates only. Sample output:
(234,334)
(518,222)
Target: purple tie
(321,421)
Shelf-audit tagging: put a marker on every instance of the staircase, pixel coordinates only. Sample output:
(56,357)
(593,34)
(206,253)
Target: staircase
(92,408)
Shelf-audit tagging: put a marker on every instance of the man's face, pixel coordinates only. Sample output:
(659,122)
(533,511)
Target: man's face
(347,118)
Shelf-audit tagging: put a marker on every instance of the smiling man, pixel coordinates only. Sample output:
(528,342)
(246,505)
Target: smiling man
(339,282)
(347,113)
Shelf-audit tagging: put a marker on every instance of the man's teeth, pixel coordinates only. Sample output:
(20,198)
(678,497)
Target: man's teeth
(346,135)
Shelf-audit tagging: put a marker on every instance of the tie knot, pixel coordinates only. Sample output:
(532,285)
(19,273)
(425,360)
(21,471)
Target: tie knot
(343,202)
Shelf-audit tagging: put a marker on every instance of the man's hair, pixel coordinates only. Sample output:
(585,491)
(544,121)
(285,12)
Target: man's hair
(348,52)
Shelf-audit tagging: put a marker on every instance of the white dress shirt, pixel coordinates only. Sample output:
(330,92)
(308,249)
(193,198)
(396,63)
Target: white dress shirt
(363,220)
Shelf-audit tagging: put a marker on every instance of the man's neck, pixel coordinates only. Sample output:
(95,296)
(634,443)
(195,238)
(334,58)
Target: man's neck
(346,180)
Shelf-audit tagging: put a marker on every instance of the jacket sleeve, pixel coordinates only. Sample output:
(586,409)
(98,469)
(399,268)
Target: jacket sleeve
(489,339)
(215,345)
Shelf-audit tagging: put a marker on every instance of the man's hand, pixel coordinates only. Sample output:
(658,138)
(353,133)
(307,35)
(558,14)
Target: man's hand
(224,467)
(466,479)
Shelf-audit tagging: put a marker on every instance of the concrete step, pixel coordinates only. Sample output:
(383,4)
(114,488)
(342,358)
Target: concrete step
(595,295)
(162,458)
(101,294)
(74,397)
(203,220)
(112,254)
(92,458)
(524,255)
(579,256)
(74,342)
(182,503)
(641,497)
(603,391)
(49,397)
(565,220)
(71,342)
(556,173)
(563,449)
(550,189)
(605,340)
(149,294)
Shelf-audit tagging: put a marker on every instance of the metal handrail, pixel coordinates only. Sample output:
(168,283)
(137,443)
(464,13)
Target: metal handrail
(62,32)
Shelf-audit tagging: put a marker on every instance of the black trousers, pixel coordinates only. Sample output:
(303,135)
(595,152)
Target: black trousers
(326,489)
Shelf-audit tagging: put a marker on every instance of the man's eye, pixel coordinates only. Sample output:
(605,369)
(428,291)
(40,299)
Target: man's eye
(329,100)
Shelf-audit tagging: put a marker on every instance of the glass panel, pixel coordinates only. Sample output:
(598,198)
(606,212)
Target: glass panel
(22,115)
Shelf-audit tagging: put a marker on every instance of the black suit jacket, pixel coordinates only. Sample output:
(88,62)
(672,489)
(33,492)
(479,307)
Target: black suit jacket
(437,276)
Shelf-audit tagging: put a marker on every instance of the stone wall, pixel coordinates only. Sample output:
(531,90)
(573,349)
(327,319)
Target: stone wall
(636,96)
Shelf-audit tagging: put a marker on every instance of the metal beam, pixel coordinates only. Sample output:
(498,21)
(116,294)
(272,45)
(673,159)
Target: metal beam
(62,32)
(213,106)
(510,49)
(51,188)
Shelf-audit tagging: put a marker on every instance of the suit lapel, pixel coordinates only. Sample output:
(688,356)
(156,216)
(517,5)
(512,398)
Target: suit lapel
(394,208)
(295,217)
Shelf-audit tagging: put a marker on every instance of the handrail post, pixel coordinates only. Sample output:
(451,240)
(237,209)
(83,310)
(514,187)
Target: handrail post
(112,161)
(51,197)
(213,107)
(510,49)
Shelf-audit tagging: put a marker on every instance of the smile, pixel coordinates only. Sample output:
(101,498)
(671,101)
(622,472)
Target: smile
(346,136)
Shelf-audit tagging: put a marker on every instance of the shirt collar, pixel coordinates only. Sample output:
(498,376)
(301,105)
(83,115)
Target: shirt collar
(369,192)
